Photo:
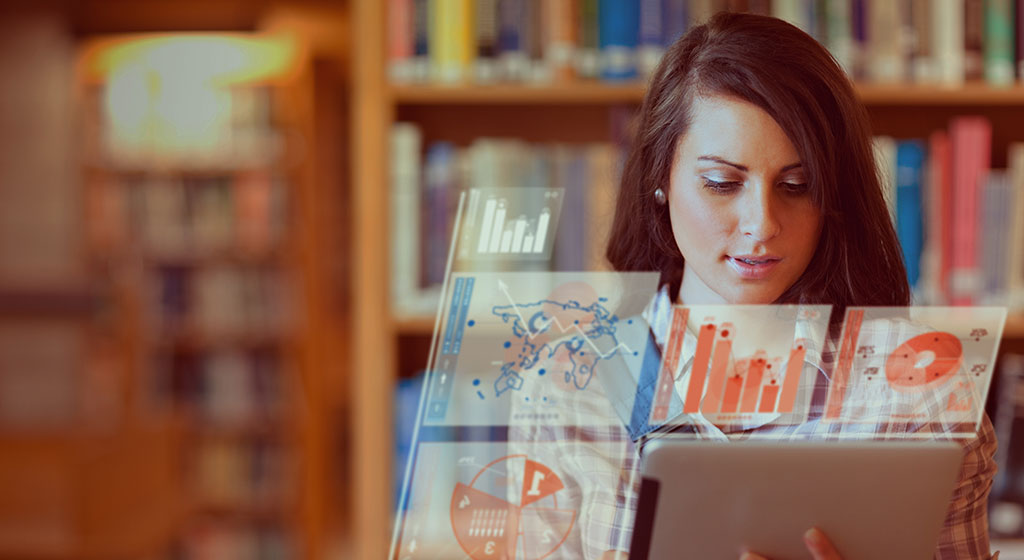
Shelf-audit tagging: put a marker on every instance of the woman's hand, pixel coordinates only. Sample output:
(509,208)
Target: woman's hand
(817,543)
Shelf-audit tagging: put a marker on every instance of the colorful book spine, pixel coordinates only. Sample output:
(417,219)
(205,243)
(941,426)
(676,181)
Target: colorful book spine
(560,38)
(994,223)
(439,187)
(406,146)
(1018,18)
(923,58)
(948,41)
(974,38)
(513,58)
(450,39)
(617,33)
(400,40)
(485,66)
(588,53)
(651,36)
(1015,251)
(420,66)
(885,32)
(971,140)
(999,42)
(840,32)
(677,20)
(909,227)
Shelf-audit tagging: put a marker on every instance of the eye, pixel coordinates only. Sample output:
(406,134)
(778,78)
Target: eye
(794,188)
(721,187)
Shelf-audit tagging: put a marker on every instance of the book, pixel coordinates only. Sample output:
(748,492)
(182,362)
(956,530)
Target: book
(485,65)
(974,33)
(406,145)
(512,49)
(587,60)
(618,27)
(450,39)
(996,201)
(922,48)
(998,44)
(401,39)
(970,139)
(839,33)
(910,158)
(885,158)
(886,62)
(948,41)
(1015,251)
(560,38)
(651,36)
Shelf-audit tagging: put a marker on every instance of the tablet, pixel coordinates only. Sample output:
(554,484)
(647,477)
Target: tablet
(875,500)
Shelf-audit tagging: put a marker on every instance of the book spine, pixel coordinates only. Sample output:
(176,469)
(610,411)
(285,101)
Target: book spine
(440,172)
(840,33)
(617,33)
(994,222)
(1015,251)
(1019,38)
(939,239)
(406,146)
(420,66)
(535,40)
(971,139)
(999,42)
(677,20)
(451,39)
(513,59)
(974,33)
(600,177)
(485,65)
(886,63)
(923,59)
(560,38)
(791,11)
(948,41)
(400,40)
(909,227)
(587,58)
(651,36)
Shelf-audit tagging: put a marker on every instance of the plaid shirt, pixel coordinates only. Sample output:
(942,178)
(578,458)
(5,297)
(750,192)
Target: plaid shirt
(598,460)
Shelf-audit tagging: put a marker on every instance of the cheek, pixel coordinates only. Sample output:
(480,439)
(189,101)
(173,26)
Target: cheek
(697,226)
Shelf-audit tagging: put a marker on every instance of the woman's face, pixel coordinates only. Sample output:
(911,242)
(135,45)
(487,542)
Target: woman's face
(741,209)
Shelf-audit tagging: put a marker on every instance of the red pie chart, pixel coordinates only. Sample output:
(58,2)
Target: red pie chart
(925,361)
(523,520)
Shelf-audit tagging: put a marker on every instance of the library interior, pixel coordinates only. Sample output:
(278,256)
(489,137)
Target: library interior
(225,225)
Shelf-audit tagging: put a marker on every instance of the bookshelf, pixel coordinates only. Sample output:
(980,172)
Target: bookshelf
(395,345)
(208,245)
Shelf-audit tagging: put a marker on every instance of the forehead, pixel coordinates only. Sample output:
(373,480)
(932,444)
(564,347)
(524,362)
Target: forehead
(736,130)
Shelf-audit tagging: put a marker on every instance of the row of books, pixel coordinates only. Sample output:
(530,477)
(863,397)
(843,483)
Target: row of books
(425,191)
(221,300)
(960,222)
(219,539)
(175,124)
(241,474)
(486,41)
(226,387)
(187,215)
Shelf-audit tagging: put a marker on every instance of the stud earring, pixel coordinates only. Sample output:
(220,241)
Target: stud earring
(659,197)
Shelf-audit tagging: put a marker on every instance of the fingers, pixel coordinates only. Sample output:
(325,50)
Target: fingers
(820,547)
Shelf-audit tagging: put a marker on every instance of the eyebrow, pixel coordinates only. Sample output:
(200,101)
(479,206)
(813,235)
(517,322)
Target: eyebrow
(744,168)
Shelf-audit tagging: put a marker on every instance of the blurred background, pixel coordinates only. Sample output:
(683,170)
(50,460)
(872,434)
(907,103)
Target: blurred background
(223,224)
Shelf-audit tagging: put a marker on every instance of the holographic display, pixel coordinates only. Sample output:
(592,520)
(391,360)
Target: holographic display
(918,366)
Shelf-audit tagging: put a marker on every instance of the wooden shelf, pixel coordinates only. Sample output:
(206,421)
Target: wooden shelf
(599,93)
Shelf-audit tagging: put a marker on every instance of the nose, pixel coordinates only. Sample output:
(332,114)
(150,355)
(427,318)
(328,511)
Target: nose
(758,218)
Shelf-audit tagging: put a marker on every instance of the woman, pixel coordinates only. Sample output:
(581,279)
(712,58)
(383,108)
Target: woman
(752,180)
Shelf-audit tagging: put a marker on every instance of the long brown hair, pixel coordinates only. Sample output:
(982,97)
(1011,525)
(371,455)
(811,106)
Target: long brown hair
(775,66)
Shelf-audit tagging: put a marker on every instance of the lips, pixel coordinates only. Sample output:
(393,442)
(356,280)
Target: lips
(750,267)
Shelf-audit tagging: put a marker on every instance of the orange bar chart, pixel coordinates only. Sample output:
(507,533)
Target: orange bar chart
(753,383)
(732,393)
(698,373)
(719,362)
(794,368)
(768,398)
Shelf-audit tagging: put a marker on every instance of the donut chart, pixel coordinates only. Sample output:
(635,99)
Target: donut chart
(530,524)
(925,361)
